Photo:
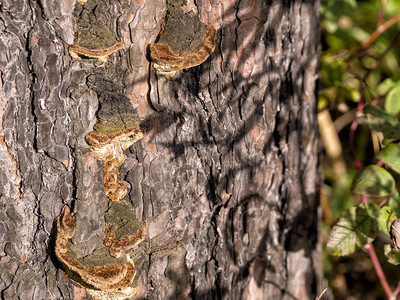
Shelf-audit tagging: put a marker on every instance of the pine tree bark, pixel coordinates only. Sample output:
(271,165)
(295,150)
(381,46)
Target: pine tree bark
(226,178)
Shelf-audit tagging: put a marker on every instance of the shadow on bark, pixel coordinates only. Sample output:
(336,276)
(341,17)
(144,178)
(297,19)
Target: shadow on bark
(221,145)
(293,230)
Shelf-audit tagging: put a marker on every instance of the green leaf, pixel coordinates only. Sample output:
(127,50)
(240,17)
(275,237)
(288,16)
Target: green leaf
(385,219)
(389,131)
(331,22)
(385,86)
(356,227)
(358,33)
(382,121)
(391,156)
(394,203)
(378,112)
(334,10)
(392,102)
(332,72)
(393,256)
(373,181)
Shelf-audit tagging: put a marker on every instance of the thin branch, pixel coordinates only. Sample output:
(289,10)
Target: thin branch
(320,295)
(381,13)
(376,62)
(396,291)
(379,30)
(344,120)
(379,271)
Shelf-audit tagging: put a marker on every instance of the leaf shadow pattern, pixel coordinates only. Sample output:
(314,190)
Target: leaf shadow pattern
(223,118)
(241,105)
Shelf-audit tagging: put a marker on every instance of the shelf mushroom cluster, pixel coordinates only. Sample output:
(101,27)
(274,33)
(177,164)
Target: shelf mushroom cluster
(111,277)
(117,128)
(183,42)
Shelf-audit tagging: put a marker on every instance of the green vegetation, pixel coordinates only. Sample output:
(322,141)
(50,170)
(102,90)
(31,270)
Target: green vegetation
(360,92)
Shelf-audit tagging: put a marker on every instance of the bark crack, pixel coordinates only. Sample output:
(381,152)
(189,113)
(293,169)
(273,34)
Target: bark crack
(2,292)
(239,21)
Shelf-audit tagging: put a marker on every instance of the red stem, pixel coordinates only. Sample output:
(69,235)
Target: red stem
(379,271)
(353,128)
(364,198)
(396,291)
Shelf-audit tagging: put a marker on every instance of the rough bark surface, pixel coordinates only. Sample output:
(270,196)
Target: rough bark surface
(226,177)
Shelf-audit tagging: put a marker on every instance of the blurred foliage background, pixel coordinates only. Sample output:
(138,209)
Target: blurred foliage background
(360,53)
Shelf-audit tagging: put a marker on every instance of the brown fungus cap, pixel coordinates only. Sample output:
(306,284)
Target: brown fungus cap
(123,229)
(77,52)
(116,114)
(94,39)
(110,277)
(184,42)
(108,146)
(117,128)
(110,149)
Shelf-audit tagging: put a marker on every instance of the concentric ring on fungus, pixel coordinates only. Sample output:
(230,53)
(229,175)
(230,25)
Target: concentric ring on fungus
(184,42)
(167,63)
(110,277)
(93,37)
(77,52)
(105,273)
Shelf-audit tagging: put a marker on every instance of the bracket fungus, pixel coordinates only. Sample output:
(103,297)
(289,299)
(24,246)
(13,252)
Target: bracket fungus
(117,128)
(112,278)
(93,39)
(117,246)
(77,51)
(110,150)
(184,42)
(123,230)
(107,272)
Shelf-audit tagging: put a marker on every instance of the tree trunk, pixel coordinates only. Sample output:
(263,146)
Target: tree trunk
(226,178)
